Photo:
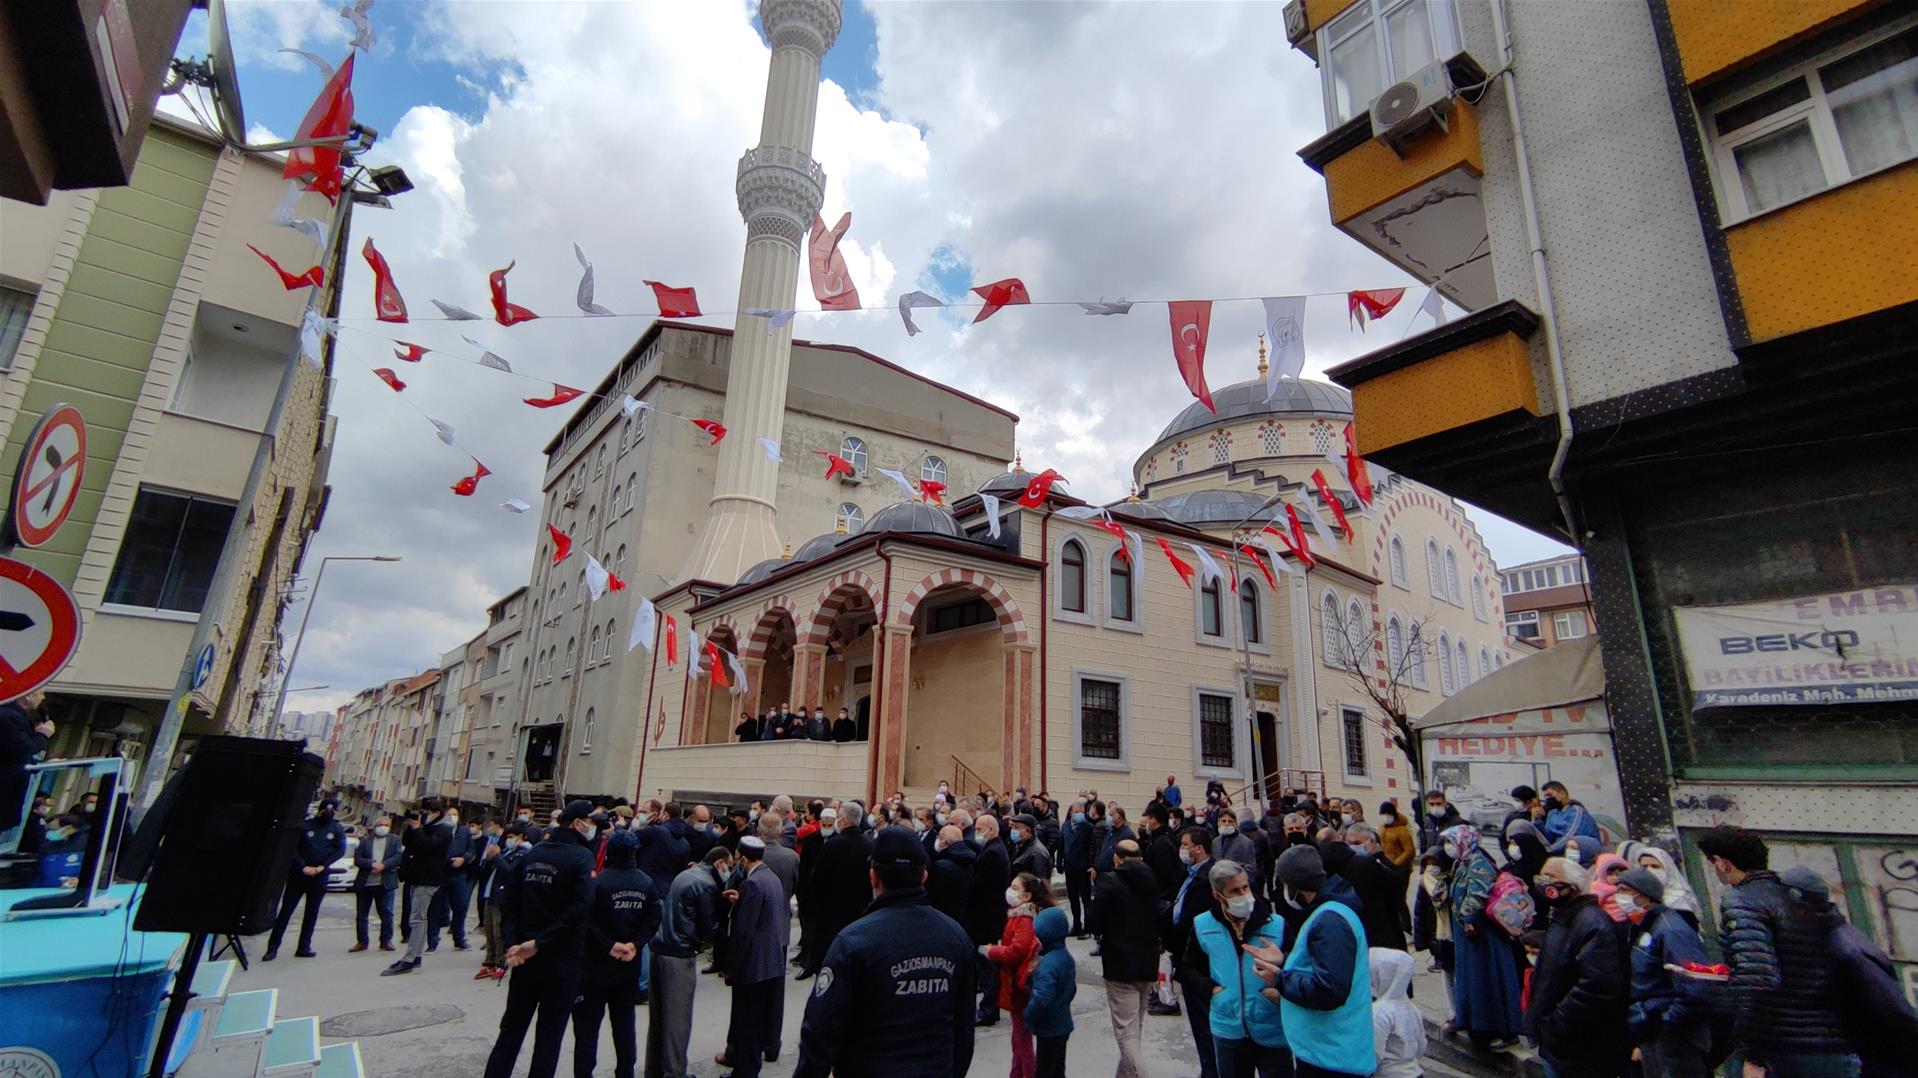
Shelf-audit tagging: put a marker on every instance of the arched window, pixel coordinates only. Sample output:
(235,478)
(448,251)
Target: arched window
(619,559)
(1484,661)
(625,431)
(562,593)
(1434,570)
(586,741)
(1415,655)
(854,451)
(1446,684)
(592,523)
(1498,660)
(1355,627)
(609,638)
(571,646)
(1395,647)
(1211,621)
(1398,563)
(1119,586)
(1451,574)
(1331,637)
(1072,577)
(1251,621)
(1464,665)
(632,490)
(580,595)
(1478,596)
(592,647)
(599,463)
(850,517)
(932,470)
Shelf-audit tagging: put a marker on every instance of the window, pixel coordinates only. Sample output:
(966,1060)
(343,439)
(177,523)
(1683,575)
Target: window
(1271,438)
(1434,570)
(1451,575)
(1569,624)
(632,490)
(1484,661)
(1478,596)
(1250,620)
(1446,684)
(932,470)
(1498,660)
(961,615)
(1398,564)
(586,739)
(170,551)
(1331,635)
(625,435)
(1352,737)
(571,645)
(1415,656)
(1119,586)
(1221,446)
(506,656)
(1215,731)
(619,560)
(1099,726)
(854,451)
(1395,648)
(1463,667)
(592,523)
(561,601)
(592,647)
(1376,43)
(609,639)
(1355,634)
(1507,583)
(1824,123)
(1211,622)
(849,517)
(1072,577)
(599,463)
(15,308)
(1522,624)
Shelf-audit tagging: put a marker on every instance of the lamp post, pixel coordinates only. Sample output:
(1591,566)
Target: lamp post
(1245,655)
(299,637)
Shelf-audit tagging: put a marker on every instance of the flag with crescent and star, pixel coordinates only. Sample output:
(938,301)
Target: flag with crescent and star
(831,284)
(1191,322)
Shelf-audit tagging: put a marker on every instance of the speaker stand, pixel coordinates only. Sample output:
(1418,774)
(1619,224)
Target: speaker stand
(236,945)
(177,1001)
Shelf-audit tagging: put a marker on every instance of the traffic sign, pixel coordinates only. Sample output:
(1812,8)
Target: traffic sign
(46,480)
(204,668)
(39,628)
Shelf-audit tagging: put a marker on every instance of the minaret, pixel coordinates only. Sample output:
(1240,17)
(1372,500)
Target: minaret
(780,188)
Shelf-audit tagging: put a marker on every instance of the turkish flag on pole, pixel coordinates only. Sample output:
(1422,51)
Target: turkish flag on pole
(385,374)
(312,278)
(713,427)
(387,304)
(562,544)
(1184,570)
(1371,303)
(933,491)
(1007,293)
(561,394)
(414,352)
(718,664)
(466,486)
(328,117)
(1355,467)
(836,464)
(1040,487)
(831,284)
(1246,549)
(1300,546)
(1191,321)
(674,302)
(672,640)
(505,313)
(1332,502)
(1112,528)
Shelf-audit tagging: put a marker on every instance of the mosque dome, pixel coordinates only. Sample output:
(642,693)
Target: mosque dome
(916,518)
(1141,510)
(1242,400)
(1211,506)
(763,570)
(818,546)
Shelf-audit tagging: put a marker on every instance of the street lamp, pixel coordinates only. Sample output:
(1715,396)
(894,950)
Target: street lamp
(1245,653)
(313,596)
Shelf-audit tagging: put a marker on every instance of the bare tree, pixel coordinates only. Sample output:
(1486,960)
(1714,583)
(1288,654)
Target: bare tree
(1384,661)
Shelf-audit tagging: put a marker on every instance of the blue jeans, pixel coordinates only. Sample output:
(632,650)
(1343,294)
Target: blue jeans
(645,967)
(449,909)
(1245,1058)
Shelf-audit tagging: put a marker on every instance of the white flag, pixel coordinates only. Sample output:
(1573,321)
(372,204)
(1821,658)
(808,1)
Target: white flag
(456,313)
(630,404)
(1274,555)
(444,428)
(1318,522)
(596,577)
(1285,329)
(514,505)
(1434,305)
(991,502)
(1208,568)
(772,450)
(312,336)
(642,626)
(583,296)
(899,478)
(1119,306)
(487,359)
(283,215)
(775,317)
(1134,546)
(910,300)
(692,654)
(739,674)
(1081,512)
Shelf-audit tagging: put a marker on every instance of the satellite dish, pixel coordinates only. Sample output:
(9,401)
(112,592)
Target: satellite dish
(226,74)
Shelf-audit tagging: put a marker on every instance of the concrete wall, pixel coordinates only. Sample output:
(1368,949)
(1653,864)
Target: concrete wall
(954,707)
(32,232)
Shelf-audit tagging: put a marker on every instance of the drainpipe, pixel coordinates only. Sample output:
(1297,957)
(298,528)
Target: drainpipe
(1045,621)
(646,720)
(883,610)
(1541,276)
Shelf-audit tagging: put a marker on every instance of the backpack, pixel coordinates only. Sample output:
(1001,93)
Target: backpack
(1510,905)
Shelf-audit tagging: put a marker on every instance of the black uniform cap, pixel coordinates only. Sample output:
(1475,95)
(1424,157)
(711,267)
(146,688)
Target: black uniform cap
(897,846)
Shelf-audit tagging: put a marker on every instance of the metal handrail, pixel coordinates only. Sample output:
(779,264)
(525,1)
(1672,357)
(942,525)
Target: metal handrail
(960,773)
(1278,781)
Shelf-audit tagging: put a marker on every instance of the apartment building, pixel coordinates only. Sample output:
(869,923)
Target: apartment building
(1547,601)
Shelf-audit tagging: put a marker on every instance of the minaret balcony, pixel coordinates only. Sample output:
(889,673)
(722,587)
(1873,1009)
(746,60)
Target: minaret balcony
(779,188)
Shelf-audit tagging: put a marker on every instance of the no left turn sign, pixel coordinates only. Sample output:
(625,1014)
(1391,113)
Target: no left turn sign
(46,482)
(39,628)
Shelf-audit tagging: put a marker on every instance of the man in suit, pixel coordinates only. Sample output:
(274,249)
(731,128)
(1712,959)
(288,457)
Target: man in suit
(449,904)
(986,910)
(377,875)
(841,885)
(755,959)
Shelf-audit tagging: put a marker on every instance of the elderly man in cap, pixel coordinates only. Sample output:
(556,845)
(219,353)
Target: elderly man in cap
(322,841)
(1669,1017)
(755,964)
(895,994)
(1028,853)
(543,916)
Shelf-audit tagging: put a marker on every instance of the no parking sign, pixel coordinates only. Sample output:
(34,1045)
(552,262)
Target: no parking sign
(46,481)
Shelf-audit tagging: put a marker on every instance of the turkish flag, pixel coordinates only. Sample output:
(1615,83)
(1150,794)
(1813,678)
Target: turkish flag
(835,464)
(932,490)
(1184,570)
(1040,487)
(385,374)
(613,582)
(387,304)
(1246,549)
(1191,322)
(1355,469)
(561,394)
(1370,303)
(562,544)
(1300,545)
(672,640)
(1112,527)
(1007,293)
(505,313)
(715,428)
(312,278)
(718,664)
(414,352)
(831,284)
(674,302)
(466,486)
(328,117)
(1332,502)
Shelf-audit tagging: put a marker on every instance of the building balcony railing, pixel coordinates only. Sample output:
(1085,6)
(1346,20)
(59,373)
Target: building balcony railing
(759,768)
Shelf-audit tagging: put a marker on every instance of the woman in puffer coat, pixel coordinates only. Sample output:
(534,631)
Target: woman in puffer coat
(1014,954)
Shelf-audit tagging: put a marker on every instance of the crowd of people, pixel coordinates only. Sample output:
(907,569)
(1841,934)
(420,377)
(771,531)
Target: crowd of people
(1283,937)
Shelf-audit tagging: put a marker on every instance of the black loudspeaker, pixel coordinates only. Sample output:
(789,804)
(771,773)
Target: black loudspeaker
(227,840)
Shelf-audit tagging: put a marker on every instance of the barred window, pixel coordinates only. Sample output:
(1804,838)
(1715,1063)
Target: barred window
(1099,719)
(1215,731)
(1352,733)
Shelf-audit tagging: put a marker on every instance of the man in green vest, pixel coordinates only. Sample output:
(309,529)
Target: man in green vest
(1320,976)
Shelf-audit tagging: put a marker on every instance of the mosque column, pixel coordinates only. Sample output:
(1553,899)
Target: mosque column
(1025,741)
(888,726)
(809,674)
(749,700)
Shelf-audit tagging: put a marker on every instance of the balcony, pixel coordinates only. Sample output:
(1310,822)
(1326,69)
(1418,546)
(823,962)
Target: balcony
(1715,37)
(756,769)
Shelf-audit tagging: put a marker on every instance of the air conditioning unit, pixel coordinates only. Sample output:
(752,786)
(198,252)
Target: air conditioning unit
(852,480)
(1407,108)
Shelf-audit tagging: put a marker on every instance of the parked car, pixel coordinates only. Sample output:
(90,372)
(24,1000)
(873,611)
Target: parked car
(339,874)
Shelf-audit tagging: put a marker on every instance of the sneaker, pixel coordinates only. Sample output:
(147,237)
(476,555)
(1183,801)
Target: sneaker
(485,973)
(397,968)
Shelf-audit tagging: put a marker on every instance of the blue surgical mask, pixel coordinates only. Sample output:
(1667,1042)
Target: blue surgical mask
(1078,817)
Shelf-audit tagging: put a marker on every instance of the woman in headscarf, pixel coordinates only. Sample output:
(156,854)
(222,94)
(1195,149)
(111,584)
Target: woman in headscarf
(1678,890)
(1605,873)
(1485,1000)
(1525,854)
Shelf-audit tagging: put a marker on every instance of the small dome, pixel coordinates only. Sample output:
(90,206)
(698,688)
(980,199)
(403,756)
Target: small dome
(1140,511)
(818,546)
(916,518)
(1007,483)
(761,571)
(1243,399)
(1211,506)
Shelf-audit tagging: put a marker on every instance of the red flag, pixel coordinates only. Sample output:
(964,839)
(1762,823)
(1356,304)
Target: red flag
(327,185)
(831,284)
(672,640)
(1332,501)
(613,582)
(1299,544)
(465,487)
(717,429)
(414,352)
(1370,303)
(1355,467)
(385,374)
(1040,488)
(674,302)
(1184,570)
(1191,322)
(562,544)
(313,277)
(505,313)
(328,117)
(932,490)
(387,304)
(1113,528)
(835,464)
(718,664)
(1246,549)
(1007,293)
(561,394)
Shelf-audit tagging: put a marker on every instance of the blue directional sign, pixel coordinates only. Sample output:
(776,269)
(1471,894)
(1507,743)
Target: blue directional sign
(204,668)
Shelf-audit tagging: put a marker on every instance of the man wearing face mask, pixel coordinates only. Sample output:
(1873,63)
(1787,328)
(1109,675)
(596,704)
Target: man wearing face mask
(1380,888)
(1192,897)
(449,904)
(949,877)
(986,910)
(1579,994)
(1248,1036)
(840,885)
(1161,845)
(1237,846)
(519,841)
(1395,838)
(1076,844)
(1565,818)
(322,841)
(701,836)
(376,874)
(844,730)
(546,906)
(1029,854)
(1323,978)
(425,842)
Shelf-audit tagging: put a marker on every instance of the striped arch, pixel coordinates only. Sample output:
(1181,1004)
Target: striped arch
(1011,621)
(816,627)
(767,623)
(722,623)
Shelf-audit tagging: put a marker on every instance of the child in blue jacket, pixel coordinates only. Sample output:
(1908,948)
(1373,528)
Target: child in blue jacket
(1054,982)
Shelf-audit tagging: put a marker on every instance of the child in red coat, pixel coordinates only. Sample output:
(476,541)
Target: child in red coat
(1015,954)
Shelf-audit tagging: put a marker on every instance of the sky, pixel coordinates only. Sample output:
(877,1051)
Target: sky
(1140,150)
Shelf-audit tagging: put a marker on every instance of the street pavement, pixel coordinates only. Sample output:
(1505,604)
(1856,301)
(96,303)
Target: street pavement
(438,1022)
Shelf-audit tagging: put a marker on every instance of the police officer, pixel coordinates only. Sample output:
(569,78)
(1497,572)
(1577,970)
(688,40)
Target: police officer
(895,995)
(623,918)
(543,917)
(322,841)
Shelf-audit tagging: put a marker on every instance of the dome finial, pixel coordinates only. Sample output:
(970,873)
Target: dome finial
(1017,462)
(1134,497)
(839,524)
(787,553)
(1263,369)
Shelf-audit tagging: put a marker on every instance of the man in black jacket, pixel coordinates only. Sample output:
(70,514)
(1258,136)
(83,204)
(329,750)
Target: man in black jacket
(623,919)
(1580,984)
(1078,844)
(1161,845)
(450,902)
(1191,898)
(986,910)
(844,730)
(322,841)
(1380,888)
(840,885)
(949,881)
(546,907)
(1124,915)
(425,842)
(24,733)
